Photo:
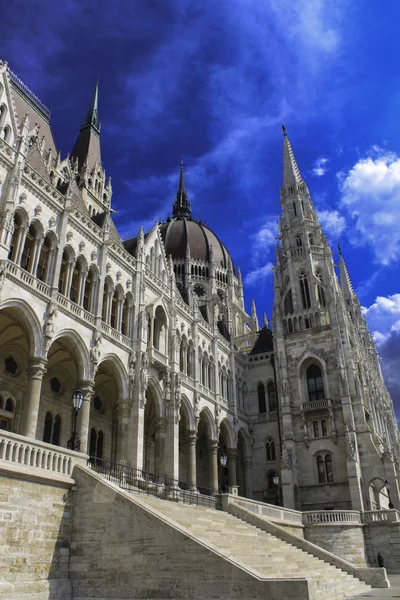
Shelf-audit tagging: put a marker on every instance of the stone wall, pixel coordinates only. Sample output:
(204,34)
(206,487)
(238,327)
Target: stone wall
(345,541)
(121,550)
(384,537)
(34,539)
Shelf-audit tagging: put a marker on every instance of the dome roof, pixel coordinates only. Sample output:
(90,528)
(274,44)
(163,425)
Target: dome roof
(178,232)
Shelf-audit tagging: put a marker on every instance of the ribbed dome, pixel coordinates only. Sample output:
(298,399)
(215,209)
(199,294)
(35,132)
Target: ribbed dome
(177,232)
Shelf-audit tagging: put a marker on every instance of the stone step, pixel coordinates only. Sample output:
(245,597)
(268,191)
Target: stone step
(261,551)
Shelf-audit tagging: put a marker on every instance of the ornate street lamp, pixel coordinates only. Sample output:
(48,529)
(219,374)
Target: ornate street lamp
(387,486)
(74,442)
(275,479)
(223,460)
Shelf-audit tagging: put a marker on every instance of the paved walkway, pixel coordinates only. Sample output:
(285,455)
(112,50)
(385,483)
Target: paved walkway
(385,594)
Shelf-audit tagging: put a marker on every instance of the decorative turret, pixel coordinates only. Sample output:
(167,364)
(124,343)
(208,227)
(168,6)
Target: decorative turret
(182,207)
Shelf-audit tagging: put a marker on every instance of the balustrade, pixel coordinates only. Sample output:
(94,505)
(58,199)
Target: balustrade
(331,517)
(17,450)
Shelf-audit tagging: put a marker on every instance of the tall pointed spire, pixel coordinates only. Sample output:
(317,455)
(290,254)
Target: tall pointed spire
(87,145)
(182,206)
(345,281)
(291,171)
(92,117)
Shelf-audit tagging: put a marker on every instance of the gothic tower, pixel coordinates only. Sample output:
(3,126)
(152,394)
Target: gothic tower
(318,330)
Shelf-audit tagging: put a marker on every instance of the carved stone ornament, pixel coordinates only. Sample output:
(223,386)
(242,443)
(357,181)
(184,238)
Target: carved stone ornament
(286,457)
(350,444)
(52,222)
(93,256)
(95,349)
(70,235)
(108,267)
(81,246)
(38,209)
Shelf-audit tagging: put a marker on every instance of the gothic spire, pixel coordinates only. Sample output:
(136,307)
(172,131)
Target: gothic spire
(345,281)
(291,172)
(87,145)
(182,207)
(92,117)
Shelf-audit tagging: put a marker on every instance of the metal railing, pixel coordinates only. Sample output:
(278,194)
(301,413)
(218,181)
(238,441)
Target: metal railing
(151,484)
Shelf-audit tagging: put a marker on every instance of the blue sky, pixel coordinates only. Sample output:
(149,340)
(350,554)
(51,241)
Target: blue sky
(215,80)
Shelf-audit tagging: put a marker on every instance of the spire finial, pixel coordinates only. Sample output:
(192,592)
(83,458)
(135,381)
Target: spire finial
(283,128)
(182,207)
(92,117)
(265,320)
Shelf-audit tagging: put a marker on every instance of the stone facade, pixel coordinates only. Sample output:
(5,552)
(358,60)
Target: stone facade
(153,331)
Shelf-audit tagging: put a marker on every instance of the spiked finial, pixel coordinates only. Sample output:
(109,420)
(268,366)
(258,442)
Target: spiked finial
(266,324)
(253,309)
(182,207)
(92,117)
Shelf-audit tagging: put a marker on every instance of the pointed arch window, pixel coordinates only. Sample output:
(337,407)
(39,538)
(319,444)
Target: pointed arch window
(270,450)
(27,252)
(294,209)
(48,426)
(62,281)
(55,438)
(272,404)
(325,468)
(262,406)
(304,290)
(288,303)
(299,242)
(88,291)
(15,237)
(320,290)
(44,260)
(315,384)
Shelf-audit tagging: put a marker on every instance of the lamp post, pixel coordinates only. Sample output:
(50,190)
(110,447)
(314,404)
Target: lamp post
(223,461)
(275,481)
(387,486)
(74,442)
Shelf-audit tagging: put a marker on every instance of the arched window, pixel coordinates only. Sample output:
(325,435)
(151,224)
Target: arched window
(9,405)
(125,317)
(92,444)
(48,426)
(270,450)
(43,262)
(55,438)
(315,384)
(114,310)
(6,133)
(294,209)
(99,447)
(262,407)
(305,292)
(272,396)
(325,468)
(181,352)
(77,275)
(288,303)
(88,291)
(27,252)
(62,281)
(299,243)
(15,237)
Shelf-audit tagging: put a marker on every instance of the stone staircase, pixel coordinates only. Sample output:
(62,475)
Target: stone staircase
(258,551)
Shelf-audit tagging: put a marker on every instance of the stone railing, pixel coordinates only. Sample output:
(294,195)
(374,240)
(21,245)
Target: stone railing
(18,451)
(381,516)
(157,357)
(316,404)
(14,271)
(274,513)
(331,517)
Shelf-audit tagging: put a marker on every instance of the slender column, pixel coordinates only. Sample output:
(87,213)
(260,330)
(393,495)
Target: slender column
(192,476)
(159,450)
(248,476)
(123,412)
(231,453)
(36,371)
(213,464)
(172,445)
(84,415)
(81,286)
(20,244)
(68,278)
(36,255)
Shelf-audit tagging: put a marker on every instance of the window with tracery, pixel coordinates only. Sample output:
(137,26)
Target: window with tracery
(270,450)
(325,468)
(304,290)
(315,384)
(262,406)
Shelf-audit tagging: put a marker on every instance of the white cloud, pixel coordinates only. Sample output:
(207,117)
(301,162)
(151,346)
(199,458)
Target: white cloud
(371,195)
(333,223)
(383,317)
(258,275)
(320,166)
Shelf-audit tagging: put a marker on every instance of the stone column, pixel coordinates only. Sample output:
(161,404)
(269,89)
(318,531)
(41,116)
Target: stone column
(213,465)
(84,415)
(36,255)
(192,467)
(248,476)
(231,454)
(36,371)
(123,412)
(20,243)
(159,450)
(171,453)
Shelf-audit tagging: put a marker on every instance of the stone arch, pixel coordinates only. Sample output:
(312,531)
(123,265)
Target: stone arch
(82,354)
(226,430)
(120,372)
(187,408)
(153,439)
(209,421)
(29,322)
(377,494)
(306,361)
